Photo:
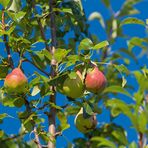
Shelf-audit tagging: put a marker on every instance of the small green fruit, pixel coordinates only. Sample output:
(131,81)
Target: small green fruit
(74,88)
(16,81)
(85,125)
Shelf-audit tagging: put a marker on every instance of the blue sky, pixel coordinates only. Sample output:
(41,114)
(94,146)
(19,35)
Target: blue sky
(11,125)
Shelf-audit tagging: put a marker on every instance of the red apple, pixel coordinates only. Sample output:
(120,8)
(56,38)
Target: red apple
(74,88)
(16,81)
(95,80)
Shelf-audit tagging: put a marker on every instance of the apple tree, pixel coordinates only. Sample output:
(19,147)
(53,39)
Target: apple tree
(55,71)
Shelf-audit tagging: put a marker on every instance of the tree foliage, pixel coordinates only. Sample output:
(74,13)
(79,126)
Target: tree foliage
(26,42)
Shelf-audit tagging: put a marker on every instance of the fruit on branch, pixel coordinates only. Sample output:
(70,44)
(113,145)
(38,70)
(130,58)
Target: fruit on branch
(73,87)
(16,81)
(95,80)
(85,125)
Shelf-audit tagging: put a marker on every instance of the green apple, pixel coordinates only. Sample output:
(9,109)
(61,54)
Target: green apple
(16,81)
(85,125)
(73,87)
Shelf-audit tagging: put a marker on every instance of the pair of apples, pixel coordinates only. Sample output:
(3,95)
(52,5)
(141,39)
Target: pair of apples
(94,82)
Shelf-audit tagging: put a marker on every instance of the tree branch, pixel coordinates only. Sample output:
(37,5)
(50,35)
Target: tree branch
(27,60)
(36,140)
(140,140)
(41,29)
(52,114)
(13,137)
(6,42)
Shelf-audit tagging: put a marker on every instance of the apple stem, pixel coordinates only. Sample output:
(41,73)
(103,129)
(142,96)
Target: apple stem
(52,114)
(6,41)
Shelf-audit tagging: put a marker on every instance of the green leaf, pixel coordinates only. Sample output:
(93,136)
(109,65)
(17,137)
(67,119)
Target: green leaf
(85,44)
(4,3)
(1,133)
(131,20)
(34,82)
(63,121)
(98,16)
(72,110)
(60,54)
(3,70)
(15,6)
(124,81)
(72,75)
(135,41)
(122,69)
(55,106)
(17,17)
(120,136)
(47,54)
(142,120)
(128,9)
(65,10)
(19,102)
(3,115)
(101,45)
(35,90)
(88,109)
(117,107)
(38,59)
(142,80)
(129,53)
(71,60)
(106,2)
(103,142)
(133,145)
(117,89)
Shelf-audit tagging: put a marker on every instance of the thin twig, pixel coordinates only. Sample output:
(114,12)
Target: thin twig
(37,140)
(13,137)
(140,140)
(6,42)
(41,28)
(27,60)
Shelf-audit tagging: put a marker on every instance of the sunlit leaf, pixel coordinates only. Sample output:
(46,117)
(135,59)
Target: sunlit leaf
(35,91)
(103,142)
(131,20)
(98,16)
(117,89)
(86,44)
(101,45)
(4,2)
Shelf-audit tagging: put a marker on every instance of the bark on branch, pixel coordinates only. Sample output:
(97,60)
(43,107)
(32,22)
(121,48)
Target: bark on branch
(52,114)
(10,61)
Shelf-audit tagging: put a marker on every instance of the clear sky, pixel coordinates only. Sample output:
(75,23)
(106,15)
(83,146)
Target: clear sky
(11,125)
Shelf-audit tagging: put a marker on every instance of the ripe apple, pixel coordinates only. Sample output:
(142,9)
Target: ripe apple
(95,80)
(16,81)
(74,88)
(85,125)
